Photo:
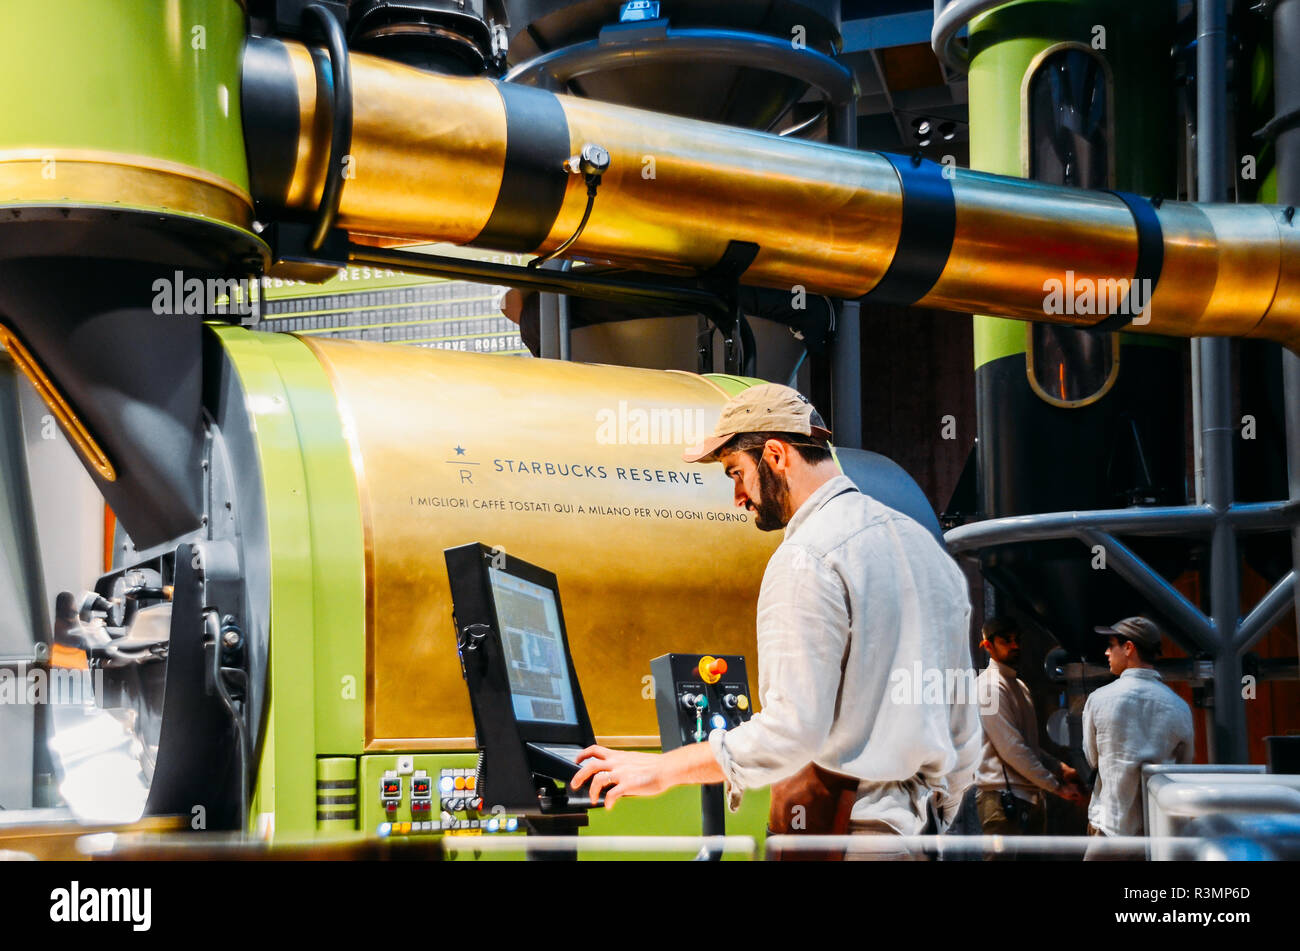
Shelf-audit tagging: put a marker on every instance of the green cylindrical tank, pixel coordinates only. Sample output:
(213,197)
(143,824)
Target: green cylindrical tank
(1076,93)
(126,107)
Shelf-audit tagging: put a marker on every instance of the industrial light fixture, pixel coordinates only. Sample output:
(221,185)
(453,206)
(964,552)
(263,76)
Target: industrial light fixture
(921,128)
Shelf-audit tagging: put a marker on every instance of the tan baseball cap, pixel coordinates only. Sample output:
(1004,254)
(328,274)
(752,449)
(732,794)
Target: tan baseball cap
(766,408)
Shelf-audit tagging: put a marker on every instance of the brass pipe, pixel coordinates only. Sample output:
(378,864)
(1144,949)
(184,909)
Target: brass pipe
(67,418)
(440,158)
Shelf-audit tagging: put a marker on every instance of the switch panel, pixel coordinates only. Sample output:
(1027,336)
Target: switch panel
(698,693)
(429,799)
(390,791)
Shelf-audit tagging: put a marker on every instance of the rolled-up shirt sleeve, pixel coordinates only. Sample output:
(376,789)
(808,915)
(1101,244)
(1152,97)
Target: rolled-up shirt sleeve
(803,635)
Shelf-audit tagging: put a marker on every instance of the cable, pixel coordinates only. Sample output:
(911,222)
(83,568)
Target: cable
(341,129)
(591,163)
(586,214)
(213,628)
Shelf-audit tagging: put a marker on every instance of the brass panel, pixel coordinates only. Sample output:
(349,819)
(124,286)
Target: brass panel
(1249,264)
(1188,274)
(1221,269)
(1286,300)
(633,585)
(76,176)
(427,151)
(69,421)
(823,217)
(1014,235)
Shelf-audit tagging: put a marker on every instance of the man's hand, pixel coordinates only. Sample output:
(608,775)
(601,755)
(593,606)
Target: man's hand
(620,773)
(1073,792)
(1072,785)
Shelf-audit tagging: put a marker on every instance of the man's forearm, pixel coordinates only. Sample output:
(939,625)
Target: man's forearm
(692,764)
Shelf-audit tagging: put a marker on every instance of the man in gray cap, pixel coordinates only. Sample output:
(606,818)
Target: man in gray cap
(855,598)
(1135,720)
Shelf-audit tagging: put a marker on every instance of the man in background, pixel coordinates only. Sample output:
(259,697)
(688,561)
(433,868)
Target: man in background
(1015,774)
(1131,722)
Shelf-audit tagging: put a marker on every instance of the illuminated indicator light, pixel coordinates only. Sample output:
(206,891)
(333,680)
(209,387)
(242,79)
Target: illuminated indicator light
(493,825)
(719,721)
(385,828)
(446,784)
(512,825)
(743,702)
(460,782)
(471,782)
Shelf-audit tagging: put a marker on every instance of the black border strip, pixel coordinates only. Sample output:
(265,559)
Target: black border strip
(336,784)
(1150,260)
(533,180)
(925,240)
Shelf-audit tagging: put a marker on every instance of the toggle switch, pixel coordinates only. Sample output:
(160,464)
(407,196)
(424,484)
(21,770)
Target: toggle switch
(695,701)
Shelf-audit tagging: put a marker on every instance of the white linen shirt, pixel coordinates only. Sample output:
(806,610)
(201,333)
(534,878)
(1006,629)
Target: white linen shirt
(855,599)
(1126,724)
(1011,754)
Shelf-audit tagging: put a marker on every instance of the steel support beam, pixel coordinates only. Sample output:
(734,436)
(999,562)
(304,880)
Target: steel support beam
(1228,737)
(1272,608)
(1197,634)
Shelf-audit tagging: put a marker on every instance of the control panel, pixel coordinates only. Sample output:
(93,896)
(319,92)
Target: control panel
(696,694)
(444,801)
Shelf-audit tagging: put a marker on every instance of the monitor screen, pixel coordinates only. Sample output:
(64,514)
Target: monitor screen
(533,643)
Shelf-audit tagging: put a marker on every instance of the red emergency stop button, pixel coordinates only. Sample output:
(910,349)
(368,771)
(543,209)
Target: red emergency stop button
(712,668)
